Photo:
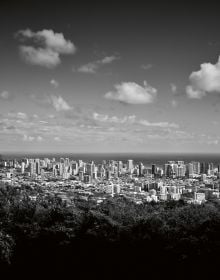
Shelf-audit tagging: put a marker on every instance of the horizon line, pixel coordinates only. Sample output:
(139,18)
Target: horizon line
(85,153)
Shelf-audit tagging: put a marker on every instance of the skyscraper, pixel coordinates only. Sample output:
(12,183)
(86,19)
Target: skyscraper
(130,165)
(153,169)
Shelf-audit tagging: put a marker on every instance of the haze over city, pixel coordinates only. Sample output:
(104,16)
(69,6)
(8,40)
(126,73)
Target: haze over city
(109,77)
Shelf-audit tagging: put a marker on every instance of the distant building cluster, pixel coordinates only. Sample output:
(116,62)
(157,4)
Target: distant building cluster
(194,182)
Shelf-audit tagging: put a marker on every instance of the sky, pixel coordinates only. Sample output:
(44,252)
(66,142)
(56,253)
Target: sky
(109,76)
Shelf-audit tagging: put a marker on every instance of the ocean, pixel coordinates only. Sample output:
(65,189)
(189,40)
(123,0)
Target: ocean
(146,158)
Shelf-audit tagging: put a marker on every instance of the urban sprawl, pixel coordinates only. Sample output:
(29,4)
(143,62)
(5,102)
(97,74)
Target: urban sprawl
(71,180)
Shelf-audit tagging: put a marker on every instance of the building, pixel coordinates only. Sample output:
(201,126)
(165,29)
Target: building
(130,165)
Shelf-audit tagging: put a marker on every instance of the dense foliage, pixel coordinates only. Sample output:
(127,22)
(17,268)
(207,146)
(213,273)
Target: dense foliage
(117,234)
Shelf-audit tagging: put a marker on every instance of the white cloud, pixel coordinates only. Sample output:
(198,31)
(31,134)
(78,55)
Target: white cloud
(19,115)
(92,67)
(49,47)
(57,139)
(114,119)
(132,93)
(132,120)
(54,83)
(107,59)
(39,138)
(4,95)
(55,41)
(38,56)
(59,103)
(194,93)
(206,80)
(28,138)
(88,68)
(147,66)
(173,88)
(158,124)
(174,103)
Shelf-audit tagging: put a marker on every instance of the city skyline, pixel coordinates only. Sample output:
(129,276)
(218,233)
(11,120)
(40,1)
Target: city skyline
(109,77)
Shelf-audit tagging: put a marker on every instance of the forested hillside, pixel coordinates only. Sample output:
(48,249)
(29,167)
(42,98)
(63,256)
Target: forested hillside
(117,234)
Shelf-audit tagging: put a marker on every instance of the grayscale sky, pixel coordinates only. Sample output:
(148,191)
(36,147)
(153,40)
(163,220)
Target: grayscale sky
(108,76)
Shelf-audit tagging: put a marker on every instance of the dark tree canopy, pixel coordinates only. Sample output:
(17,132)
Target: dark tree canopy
(51,235)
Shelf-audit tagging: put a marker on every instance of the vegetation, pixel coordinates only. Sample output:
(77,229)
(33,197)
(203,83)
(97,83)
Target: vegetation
(48,234)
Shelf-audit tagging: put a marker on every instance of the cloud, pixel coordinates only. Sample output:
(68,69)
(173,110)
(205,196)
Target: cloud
(114,119)
(174,103)
(194,93)
(173,88)
(158,124)
(57,139)
(206,80)
(132,120)
(28,138)
(4,95)
(88,68)
(39,138)
(46,48)
(107,59)
(41,57)
(92,67)
(132,93)
(147,66)
(54,83)
(19,115)
(59,103)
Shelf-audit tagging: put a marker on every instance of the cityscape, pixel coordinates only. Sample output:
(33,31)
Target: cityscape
(71,180)
(109,139)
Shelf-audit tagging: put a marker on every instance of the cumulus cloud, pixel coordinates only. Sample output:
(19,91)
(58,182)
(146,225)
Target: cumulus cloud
(59,103)
(174,103)
(4,95)
(57,139)
(114,119)
(107,59)
(92,67)
(18,115)
(46,47)
(21,115)
(173,88)
(194,93)
(41,57)
(56,101)
(132,120)
(54,83)
(132,93)
(206,80)
(39,138)
(146,66)
(28,138)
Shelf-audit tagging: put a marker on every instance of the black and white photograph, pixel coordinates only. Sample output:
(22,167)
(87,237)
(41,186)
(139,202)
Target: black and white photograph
(109,139)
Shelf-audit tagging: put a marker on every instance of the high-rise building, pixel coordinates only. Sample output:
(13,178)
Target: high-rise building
(190,170)
(130,165)
(168,170)
(202,167)
(32,167)
(196,167)
(37,166)
(22,167)
(140,167)
(154,169)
